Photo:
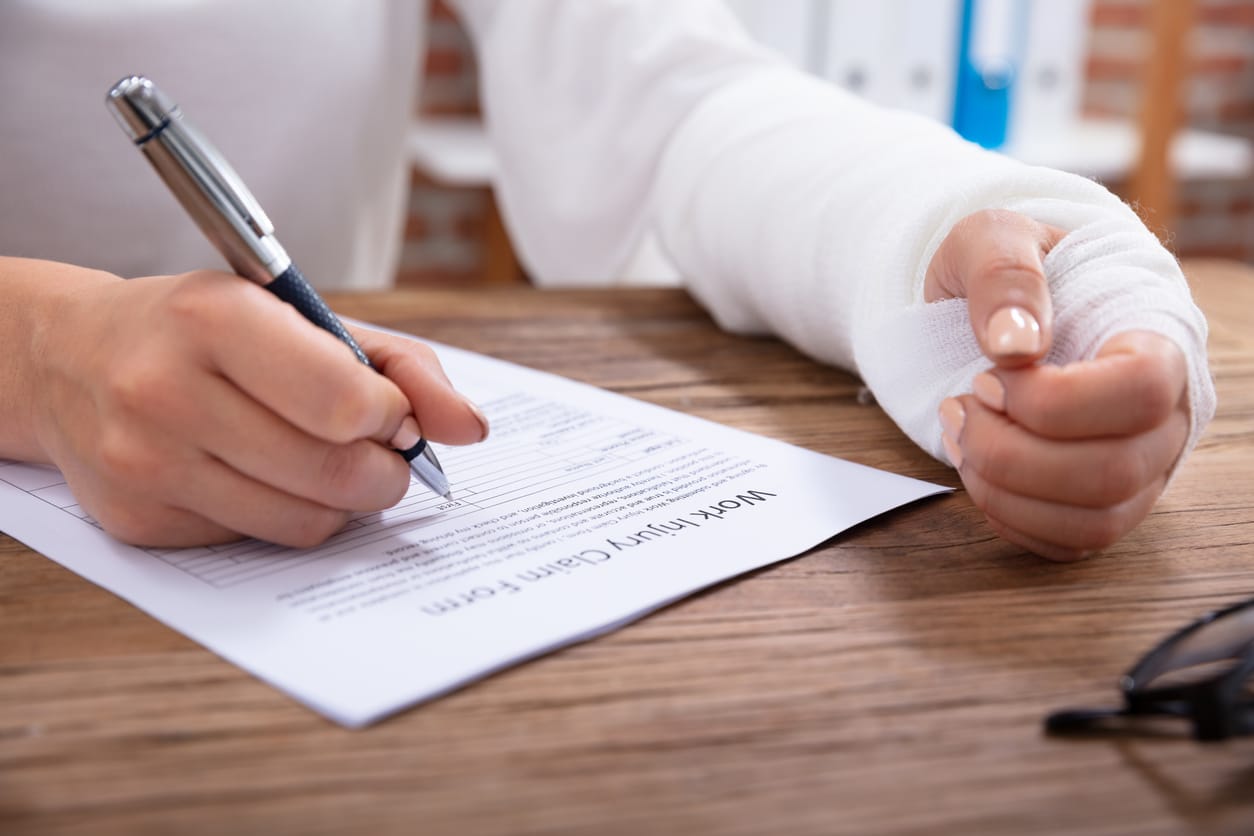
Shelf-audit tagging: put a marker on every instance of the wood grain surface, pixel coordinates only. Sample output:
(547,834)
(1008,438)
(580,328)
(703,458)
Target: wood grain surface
(892,681)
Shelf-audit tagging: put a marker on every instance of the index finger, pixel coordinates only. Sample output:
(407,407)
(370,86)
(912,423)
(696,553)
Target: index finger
(284,362)
(1137,380)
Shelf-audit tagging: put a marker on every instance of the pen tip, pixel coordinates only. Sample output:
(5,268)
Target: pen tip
(448,494)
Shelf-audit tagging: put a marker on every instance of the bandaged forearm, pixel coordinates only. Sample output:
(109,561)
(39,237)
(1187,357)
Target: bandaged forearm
(816,219)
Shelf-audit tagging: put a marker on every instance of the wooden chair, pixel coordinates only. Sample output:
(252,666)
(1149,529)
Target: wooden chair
(1152,185)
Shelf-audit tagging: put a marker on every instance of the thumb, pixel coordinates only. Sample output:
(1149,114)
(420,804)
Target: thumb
(995,260)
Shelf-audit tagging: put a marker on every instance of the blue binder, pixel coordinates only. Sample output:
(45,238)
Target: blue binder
(990,53)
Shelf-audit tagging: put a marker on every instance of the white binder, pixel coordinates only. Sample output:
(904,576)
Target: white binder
(1051,81)
(924,46)
(899,53)
(857,54)
(786,26)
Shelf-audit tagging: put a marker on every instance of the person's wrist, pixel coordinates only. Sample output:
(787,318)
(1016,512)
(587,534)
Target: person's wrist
(63,324)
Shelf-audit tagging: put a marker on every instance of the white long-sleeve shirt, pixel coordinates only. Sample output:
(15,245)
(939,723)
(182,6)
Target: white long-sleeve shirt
(786,205)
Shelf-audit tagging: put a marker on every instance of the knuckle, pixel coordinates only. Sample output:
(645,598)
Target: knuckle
(1152,398)
(987,221)
(340,470)
(423,353)
(125,459)
(1000,455)
(142,385)
(1047,406)
(1004,264)
(310,527)
(203,305)
(195,303)
(1120,477)
(363,477)
(416,362)
(353,415)
(985,217)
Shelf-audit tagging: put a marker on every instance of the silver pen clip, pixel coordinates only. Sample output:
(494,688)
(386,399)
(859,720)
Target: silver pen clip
(201,178)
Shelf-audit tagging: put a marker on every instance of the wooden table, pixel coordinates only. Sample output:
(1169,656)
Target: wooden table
(891,681)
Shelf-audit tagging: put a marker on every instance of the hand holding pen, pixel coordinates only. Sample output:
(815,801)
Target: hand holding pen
(228,214)
(199,408)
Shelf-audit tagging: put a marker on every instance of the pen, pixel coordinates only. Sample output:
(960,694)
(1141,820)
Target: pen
(228,214)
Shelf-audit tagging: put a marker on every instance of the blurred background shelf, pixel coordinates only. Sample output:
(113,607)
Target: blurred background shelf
(1154,98)
(1109,149)
(455,151)
(452,150)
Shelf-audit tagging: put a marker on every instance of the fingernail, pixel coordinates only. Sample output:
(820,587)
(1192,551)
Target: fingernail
(1014,331)
(989,391)
(953,451)
(408,435)
(480,417)
(952,417)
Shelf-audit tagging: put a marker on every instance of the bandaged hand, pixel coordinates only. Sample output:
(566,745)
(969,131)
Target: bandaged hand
(1062,459)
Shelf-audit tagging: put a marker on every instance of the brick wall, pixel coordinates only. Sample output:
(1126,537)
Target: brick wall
(447,227)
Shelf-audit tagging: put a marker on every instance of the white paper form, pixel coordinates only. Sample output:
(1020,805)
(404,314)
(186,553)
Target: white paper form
(583,511)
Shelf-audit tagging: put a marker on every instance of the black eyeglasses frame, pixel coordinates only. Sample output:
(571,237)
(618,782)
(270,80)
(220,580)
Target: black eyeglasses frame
(1219,707)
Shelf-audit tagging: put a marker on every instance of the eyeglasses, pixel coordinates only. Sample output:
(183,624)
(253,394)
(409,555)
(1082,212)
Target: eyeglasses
(1203,672)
